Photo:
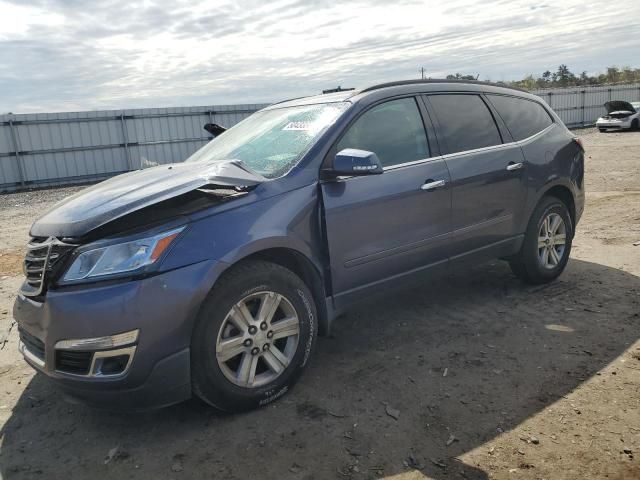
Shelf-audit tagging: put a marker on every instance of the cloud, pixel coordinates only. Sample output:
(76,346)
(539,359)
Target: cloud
(63,55)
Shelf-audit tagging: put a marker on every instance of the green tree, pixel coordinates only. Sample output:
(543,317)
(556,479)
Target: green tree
(613,74)
(459,76)
(564,77)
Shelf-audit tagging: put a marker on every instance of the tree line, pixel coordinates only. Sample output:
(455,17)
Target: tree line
(563,77)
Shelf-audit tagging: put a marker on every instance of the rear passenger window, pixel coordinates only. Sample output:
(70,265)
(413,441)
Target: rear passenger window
(465,121)
(393,131)
(522,117)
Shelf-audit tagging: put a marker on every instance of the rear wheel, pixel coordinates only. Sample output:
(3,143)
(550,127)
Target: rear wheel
(547,244)
(253,337)
(635,124)
(602,130)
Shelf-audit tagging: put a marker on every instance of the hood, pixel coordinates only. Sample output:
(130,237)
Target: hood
(619,106)
(95,206)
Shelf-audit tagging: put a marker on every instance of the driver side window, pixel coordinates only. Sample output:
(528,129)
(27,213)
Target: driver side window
(392,130)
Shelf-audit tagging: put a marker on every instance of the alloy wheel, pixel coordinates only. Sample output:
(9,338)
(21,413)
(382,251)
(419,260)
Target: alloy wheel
(551,241)
(258,339)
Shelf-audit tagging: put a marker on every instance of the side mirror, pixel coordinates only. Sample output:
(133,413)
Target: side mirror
(354,162)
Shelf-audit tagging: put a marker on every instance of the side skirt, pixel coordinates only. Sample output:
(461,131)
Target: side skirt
(344,300)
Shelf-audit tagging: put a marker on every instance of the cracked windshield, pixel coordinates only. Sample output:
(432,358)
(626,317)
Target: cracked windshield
(271,142)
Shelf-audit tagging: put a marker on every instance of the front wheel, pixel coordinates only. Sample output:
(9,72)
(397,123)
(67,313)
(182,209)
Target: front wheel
(253,337)
(547,243)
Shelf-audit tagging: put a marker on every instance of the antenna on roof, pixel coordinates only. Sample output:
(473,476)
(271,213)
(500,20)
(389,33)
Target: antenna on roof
(336,90)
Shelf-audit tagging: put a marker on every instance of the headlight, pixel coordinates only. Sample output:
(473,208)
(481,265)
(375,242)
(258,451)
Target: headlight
(120,257)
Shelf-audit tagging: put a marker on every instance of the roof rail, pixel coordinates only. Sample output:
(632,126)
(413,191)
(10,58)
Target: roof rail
(438,80)
(336,90)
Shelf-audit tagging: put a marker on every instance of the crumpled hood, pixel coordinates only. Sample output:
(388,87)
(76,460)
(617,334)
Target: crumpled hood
(619,106)
(95,206)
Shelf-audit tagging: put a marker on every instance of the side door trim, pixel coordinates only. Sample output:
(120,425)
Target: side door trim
(393,251)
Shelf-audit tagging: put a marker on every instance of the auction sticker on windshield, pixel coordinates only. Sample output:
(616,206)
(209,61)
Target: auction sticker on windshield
(304,126)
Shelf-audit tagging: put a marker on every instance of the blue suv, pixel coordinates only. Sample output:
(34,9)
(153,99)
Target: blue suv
(214,276)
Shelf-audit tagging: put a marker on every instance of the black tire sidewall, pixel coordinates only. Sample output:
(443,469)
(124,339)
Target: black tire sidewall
(210,384)
(530,247)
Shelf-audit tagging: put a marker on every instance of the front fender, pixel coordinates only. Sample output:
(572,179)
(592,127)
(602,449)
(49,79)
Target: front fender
(289,220)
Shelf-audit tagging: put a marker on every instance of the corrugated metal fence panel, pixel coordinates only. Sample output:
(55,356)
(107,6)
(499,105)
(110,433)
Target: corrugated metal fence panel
(9,172)
(581,106)
(62,145)
(64,148)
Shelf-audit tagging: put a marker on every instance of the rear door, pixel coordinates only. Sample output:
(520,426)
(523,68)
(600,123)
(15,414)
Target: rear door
(383,226)
(487,173)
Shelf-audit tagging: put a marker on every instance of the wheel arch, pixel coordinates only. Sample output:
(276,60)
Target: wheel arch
(303,267)
(564,194)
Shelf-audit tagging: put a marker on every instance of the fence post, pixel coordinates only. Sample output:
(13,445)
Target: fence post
(16,149)
(583,105)
(125,139)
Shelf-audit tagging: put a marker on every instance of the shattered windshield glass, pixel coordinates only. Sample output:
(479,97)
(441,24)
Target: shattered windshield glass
(271,142)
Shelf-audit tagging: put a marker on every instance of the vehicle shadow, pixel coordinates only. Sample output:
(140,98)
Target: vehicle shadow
(469,355)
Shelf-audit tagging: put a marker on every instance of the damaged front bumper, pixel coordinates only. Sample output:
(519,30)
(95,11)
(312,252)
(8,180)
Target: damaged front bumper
(121,345)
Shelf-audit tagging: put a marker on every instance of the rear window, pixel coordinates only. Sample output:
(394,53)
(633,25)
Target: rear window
(522,117)
(465,121)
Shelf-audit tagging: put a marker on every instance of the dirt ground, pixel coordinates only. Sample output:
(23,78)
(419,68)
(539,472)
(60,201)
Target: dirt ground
(490,378)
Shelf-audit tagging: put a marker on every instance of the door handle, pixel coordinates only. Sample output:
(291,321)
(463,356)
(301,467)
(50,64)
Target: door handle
(432,184)
(515,166)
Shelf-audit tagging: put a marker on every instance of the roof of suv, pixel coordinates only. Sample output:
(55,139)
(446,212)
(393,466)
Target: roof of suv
(403,86)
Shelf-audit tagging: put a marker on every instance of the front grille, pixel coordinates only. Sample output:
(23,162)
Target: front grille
(71,361)
(43,258)
(33,344)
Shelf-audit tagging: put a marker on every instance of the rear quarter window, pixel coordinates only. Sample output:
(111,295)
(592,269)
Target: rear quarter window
(523,118)
(466,123)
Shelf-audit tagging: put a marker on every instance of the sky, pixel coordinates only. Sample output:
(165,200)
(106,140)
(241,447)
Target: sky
(70,55)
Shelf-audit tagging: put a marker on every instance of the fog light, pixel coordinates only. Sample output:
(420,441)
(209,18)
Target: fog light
(111,365)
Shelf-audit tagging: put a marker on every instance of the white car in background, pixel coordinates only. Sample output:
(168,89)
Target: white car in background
(620,114)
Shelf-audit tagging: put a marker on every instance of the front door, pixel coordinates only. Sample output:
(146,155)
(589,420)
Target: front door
(381,227)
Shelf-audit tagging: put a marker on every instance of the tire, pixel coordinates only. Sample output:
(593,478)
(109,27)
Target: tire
(530,264)
(219,382)
(602,130)
(635,124)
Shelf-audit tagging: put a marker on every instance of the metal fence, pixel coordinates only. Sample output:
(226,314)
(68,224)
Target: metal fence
(38,150)
(581,106)
(52,149)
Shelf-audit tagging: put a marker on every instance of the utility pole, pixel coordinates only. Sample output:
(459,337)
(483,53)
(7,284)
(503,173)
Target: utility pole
(422,72)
